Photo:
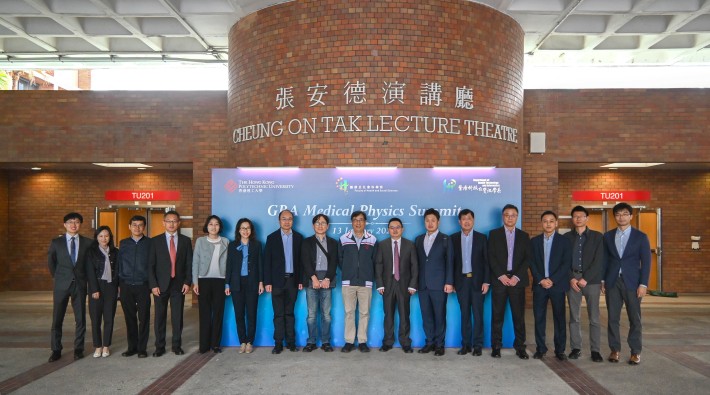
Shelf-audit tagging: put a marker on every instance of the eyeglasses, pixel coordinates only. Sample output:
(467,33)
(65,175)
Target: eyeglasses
(395,227)
(137,225)
(244,228)
(172,222)
(289,219)
(73,222)
(510,215)
(579,217)
(622,215)
(320,223)
(358,220)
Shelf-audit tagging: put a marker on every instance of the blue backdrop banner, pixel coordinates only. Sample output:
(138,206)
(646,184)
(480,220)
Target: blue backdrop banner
(382,193)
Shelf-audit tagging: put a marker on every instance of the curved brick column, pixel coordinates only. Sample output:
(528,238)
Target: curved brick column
(331,83)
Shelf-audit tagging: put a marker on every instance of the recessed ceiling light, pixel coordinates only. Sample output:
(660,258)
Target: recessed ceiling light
(617,165)
(122,165)
(36,168)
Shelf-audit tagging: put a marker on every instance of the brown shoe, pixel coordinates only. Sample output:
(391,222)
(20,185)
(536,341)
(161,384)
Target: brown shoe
(613,356)
(635,359)
(249,348)
(243,348)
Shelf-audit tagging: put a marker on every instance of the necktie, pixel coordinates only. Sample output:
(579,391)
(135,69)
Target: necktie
(173,255)
(396,261)
(72,251)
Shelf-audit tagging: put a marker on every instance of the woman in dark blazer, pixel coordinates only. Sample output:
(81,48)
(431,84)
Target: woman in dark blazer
(102,276)
(245,280)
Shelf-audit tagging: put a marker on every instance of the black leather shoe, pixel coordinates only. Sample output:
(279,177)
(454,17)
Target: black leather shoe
(439,351)
(561,356)
(597,357)
(309,347)
(363,347)
(129,353)
(385,348)
(426,349)
(291,347)
(495,353)
(55,356)
(464,350)
(178,351)
(277,349)
(407,350)
(347,347)
(217,350)
(327,347)
(538,355)
(78,354)
(477,351)
(575,354)
(142,354)
(522,354)
(159,352)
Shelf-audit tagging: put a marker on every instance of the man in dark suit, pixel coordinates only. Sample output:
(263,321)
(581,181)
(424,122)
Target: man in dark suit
(628,253)
(169,278)
(552,261)
(66,265)
(282,278)
(396,275)
(435,255)
(471,281)
(319,262)
(509,256)
(585,280)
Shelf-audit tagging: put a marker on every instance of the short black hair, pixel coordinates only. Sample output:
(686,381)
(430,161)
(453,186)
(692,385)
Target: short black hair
(237,236)
(74,216)
(138,218)
(466,211)
(622,206)
(579,209)
(317,216)
(173,212)
(395,219)
(356,213)
(210,218)
(548,212)
(101,229)
(510,206)
(284,211)
(432,211)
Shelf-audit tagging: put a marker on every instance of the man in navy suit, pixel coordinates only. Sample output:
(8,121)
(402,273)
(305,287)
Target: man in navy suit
(66,265)
(169,277)
(435,255)
(509,255)
(282,278)
(551,265)
(628,254)
(471,280)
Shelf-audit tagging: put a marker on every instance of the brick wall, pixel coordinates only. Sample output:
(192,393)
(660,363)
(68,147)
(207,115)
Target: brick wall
(4,201)
(43,198)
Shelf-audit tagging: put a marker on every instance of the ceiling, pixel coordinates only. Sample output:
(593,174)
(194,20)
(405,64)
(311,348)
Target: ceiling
(99,33)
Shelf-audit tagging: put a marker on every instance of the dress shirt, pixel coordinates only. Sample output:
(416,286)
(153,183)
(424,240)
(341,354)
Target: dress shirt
(167,239)
(547,243)
(510,241)
(620,240)
(466,247)
(578,248)
(106,275)
(321,259)
(429,241)
(287,239)
(76,243)
(244,248)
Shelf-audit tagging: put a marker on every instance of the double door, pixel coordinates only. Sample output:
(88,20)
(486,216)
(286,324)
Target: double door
(117,218)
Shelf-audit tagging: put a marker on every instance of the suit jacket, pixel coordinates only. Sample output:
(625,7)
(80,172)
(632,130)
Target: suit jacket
(408,265)
(593,259)
(275,260)
(437,268)
(560,261)
(61,267)
(479,260)
(309,255)
(498,255)
(159,266)
(95,263)
(255,265)
(635,264)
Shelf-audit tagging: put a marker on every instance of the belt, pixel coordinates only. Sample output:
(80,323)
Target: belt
(577,271)
(469,275)
(288,275)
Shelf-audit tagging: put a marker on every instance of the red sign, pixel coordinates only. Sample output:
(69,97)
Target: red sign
(142,195)
(611,195)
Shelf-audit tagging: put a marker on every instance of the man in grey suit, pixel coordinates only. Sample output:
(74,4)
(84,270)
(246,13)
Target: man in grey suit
(585,280)
(396,275)
(66,264)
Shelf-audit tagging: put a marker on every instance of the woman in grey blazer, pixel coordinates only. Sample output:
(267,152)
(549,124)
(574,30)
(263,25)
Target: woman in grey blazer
(209,263)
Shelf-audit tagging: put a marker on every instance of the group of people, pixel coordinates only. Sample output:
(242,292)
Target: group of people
(580,263)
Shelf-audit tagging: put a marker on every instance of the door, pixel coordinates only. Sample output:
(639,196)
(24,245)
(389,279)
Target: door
(649,222)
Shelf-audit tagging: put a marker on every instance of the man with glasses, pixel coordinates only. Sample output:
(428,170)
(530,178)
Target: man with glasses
(509,254)
(282,278)
(170,277)
(319,260)
(585,280)
(133,266)
(628,254)
(356,252)
(396,274)
(66,265)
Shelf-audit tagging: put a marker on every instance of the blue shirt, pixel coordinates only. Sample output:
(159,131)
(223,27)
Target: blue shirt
(244,248)
(547,243)
(466,247)
(287,239)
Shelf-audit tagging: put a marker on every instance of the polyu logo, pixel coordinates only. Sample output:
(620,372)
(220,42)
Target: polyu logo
(342,184)
(449,185)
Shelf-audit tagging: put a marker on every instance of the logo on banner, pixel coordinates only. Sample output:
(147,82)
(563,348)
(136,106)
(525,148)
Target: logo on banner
(482,185)
(342,184)
(449,184)
(231,186)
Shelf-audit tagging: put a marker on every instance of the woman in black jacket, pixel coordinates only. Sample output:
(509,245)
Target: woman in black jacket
(102,275)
